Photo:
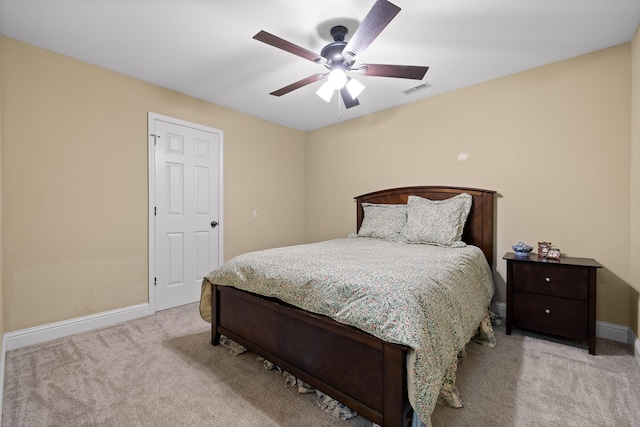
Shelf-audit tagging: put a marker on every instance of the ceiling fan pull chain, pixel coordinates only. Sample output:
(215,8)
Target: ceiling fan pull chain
(339,111)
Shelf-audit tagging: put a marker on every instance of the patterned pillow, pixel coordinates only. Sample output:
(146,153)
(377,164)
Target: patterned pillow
(437,222)
(383,221)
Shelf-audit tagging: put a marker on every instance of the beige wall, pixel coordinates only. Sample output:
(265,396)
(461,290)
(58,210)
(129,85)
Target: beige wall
(634,252)
(75,173)
(553,141)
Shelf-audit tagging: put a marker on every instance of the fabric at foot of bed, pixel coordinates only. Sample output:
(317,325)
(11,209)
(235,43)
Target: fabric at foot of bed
(449,395)
(234,348)
(485,334)
(326,403)
(333,407)
(205,301)
(290,380)
(416,421)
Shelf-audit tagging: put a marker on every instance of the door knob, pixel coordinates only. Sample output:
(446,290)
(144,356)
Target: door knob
(214,224)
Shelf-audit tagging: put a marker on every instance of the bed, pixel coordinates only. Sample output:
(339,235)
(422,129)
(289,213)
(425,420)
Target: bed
(354,366)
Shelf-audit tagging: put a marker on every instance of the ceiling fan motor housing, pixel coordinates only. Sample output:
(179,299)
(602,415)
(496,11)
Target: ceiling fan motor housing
(333,51)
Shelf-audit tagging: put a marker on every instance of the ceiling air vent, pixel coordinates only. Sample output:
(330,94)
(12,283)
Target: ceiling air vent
(423,86)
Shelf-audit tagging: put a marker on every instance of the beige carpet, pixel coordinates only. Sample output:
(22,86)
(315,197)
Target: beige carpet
(529,380)
(161,371)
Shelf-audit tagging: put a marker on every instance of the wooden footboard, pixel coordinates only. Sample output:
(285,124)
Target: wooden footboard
(357,369)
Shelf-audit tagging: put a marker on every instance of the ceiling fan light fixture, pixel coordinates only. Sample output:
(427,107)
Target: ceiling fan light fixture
(337,77)
(355,88)
(325,92)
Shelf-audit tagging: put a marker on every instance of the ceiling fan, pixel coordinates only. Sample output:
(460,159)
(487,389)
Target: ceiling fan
(339,57)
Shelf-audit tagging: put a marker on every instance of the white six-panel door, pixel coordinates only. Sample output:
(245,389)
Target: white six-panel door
(187,210)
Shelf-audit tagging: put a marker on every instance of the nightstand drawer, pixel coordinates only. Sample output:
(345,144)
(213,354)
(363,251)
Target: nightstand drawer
(555,280)
(553,315)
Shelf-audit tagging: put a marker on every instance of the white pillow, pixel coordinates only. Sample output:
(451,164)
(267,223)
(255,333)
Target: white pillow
(437,222)
(383,221)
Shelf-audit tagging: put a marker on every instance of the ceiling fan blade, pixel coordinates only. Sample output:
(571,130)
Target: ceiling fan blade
(372,25)
(400,71)
(347,99)
(297,85)
(276,41)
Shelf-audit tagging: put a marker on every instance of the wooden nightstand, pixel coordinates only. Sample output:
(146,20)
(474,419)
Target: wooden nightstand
(555,297)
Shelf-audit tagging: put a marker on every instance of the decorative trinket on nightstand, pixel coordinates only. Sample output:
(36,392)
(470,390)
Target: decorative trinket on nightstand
(521,249)
(554,253)
(543,249)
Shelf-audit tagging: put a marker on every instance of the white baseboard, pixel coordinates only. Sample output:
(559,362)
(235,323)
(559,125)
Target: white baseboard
(611,331)
(636,346)
(38,334)
(500,308)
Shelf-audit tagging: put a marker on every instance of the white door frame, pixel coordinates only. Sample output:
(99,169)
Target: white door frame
(152,203)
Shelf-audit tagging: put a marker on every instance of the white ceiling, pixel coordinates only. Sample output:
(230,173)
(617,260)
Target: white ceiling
(204,48)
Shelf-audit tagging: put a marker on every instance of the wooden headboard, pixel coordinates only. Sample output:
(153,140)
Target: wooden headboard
(478,230)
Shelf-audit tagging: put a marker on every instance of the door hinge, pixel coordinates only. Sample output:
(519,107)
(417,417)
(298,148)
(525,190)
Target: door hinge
(155,137)
(155,210)
(155,281)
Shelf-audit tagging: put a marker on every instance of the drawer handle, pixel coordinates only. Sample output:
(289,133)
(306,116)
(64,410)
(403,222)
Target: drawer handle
(547,279)
(547,311)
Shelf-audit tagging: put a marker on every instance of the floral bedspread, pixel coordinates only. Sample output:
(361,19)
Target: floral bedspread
(429,298)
